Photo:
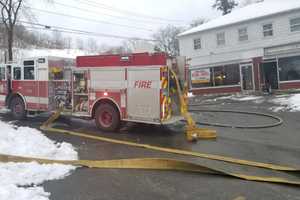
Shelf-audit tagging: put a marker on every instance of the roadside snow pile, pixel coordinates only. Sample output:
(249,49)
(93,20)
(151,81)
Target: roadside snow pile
(190,95)
(19,181)
(239,98)
(248,98)
(287,103)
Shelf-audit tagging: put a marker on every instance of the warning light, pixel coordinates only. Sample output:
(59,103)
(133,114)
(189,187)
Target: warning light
(105,94)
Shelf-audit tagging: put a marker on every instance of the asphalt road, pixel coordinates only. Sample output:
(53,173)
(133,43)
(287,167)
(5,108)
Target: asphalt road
(278,145)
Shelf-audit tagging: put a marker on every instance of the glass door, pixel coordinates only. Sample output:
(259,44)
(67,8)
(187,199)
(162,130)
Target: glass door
(247,77)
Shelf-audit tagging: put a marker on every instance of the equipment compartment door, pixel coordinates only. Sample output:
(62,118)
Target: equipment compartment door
(144,95)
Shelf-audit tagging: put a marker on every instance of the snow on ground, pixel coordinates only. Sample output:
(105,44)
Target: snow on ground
(190,95)
(286,103)
(21,181)
(238,97)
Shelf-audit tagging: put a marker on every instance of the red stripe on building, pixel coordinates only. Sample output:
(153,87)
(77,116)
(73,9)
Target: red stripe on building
(234,89)
(290,85)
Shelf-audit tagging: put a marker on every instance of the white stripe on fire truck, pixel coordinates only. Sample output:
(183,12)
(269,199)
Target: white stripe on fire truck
(40,100)
(2,98)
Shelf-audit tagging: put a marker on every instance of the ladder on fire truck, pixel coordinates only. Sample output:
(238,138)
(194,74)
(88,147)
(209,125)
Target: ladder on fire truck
(193,132)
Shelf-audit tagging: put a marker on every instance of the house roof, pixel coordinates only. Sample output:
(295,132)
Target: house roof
(250,12)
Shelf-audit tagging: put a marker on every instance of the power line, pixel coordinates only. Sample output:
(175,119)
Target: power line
(77,31)
(115,9)
(88,19)
(114,16)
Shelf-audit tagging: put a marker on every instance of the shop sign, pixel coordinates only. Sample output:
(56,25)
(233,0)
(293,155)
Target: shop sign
(200,76)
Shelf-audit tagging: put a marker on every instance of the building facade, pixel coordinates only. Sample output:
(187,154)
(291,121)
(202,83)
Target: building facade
(250,49)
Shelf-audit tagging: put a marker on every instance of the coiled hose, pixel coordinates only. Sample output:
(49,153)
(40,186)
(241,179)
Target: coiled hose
(278,119)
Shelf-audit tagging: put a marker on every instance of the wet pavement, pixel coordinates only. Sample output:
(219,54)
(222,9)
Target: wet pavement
(278,145)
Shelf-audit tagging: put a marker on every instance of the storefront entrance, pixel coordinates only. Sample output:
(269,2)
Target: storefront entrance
(270,75)
(247,77)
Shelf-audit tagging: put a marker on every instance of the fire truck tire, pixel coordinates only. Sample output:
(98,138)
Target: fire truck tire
(18,108)
(107,118)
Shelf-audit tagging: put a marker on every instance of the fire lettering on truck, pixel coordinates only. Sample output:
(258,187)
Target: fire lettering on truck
(143,84)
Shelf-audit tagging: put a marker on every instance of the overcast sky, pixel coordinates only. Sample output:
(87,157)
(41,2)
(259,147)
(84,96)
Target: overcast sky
(124,13)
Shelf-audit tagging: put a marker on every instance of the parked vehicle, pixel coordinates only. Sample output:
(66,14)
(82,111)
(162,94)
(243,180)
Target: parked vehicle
(107,88)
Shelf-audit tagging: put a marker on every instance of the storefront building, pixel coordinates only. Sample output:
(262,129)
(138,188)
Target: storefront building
(250,54)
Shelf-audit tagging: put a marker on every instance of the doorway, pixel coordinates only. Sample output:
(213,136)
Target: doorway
(247,77)
(270,75)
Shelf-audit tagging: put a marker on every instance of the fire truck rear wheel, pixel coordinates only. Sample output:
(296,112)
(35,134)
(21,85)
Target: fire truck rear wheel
(107,117)
(18,108)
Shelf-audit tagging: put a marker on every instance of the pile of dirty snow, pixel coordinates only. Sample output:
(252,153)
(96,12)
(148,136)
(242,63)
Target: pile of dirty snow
(287,103)
(21,181)
(238,97)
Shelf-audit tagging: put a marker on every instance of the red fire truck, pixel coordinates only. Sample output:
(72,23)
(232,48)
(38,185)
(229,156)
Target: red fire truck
(107,88)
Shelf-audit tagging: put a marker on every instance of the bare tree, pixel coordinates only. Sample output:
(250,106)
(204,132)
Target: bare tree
(92,45)
(135,45)
(10,10)
(116,50)
(166,40)
(57,39)
(67,42)
(79,43)
(9,13)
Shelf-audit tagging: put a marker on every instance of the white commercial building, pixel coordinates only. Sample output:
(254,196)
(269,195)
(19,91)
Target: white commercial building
(252,48)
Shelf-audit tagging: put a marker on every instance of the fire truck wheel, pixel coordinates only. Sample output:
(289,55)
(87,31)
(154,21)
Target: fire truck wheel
(18,108)
(107,118)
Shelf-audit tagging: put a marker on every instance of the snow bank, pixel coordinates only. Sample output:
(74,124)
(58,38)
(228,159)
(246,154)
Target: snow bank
(23,141)
(287,103)
(238,98)
(15,175)
(190,95)
(248,98)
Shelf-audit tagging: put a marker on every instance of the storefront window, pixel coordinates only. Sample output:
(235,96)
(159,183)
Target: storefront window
(289,68)
(232,73)
(216,76)
(227,75)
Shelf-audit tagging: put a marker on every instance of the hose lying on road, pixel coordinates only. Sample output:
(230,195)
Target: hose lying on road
(278,119)
(152,164)
(160,163)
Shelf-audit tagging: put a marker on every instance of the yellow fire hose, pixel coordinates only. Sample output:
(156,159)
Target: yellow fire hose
(150,164)
(157,163)
(192,131)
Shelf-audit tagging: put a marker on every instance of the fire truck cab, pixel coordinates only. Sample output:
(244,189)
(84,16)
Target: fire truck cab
(106,88)
(30,86)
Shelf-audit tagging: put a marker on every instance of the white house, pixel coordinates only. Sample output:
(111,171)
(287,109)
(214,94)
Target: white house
(252,48)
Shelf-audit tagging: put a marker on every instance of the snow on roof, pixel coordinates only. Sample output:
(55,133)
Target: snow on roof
(253,11)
